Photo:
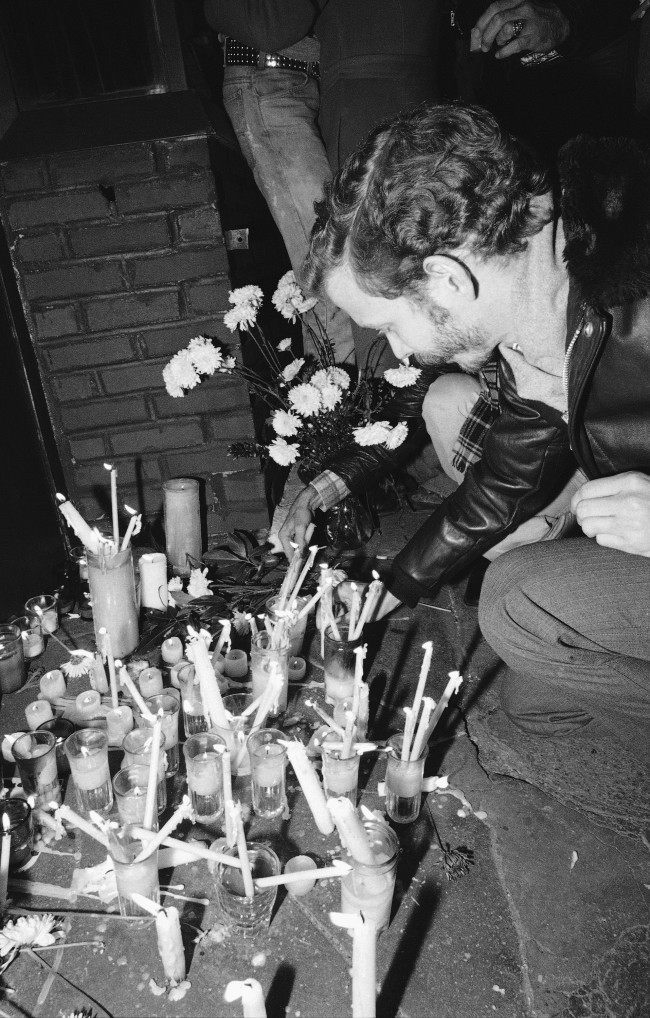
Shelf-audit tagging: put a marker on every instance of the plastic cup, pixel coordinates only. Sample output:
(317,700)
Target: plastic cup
(31,632)
(268,766)
(194,718)
(87,752)
(403,783)
(247,916)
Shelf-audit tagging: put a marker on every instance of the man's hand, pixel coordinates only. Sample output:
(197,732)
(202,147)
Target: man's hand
(616,511)
(386,604)
(298,519)
(543,27)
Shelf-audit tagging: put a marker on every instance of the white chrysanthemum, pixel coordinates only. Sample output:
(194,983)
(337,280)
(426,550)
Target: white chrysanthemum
(397,435)
(284,344)
(289,299)
(305,399)
(292,369)
(242,316)
(320,378)
(250,296)
(285,424)
(372,434)
(241,622)
(28,931)
(175,583)
(330,396)
(228,364)
(402,376)
(283,452)
(337,376)
(199,585)
(204,355)
(180,374)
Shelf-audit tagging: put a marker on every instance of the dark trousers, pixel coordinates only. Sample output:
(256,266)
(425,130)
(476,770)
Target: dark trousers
(572,622)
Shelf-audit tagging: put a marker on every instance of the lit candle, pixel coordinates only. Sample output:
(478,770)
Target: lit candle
(88,705)
(250,993)
(454,684)
(297,669)
(75,520)
(37,712)
(130,685)
(134,527)
(150,681)
(236,664)
(172,650)
(119,722)
(168,932)
(182,523)
(197,652)
(372,598)
(153,581)
(224,637)
(33,642)
(311,786)
(116,524)
(4,862)
(52,684)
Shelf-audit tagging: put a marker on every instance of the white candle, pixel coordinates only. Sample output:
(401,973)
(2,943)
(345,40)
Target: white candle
(250,993)
(4,861)
(98,678)
(227,796)
(297,669)
(107,652)
(236,664)
(172,650)
(52,684)
(297,876)
(197,652)
(364,962)
(409,728)
(182,523)
(150,681)
(33,642)
(119,722)
(424,671)
(418,742)
(88,704)
(454,684)
(153,583)
(352,833)
(311,786)
(242,852)
(65,813)
(37,712)
(116,524)
(75,520)
(170,943)
(224,638)
(152,781)
(182,811)
(134,527)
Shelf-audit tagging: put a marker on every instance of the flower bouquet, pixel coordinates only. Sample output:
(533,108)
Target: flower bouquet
(317,408)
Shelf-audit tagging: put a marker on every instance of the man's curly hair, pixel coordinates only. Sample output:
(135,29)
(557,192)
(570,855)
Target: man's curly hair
(432,181)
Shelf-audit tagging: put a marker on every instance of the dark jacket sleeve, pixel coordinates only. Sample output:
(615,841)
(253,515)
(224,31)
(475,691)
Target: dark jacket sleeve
(269,25)
(526,462)
(594,23)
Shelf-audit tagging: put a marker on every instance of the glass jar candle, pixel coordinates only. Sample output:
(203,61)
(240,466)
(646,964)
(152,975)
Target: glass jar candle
(78,556)
(403,783)
(296,628)
(130,790)
(19,816)
(12,659)
(369,889)
(35,755)
(182,516)
(247,916)
(61,728)
(339,664)
(268,759)
(36,712)
(112,592)
(153,581)
(137,748)
(45,608)
(340,773)
(170,706)
(87,752)
(204,774)
(263,661)
(140,878)
(31,632)
(194,719)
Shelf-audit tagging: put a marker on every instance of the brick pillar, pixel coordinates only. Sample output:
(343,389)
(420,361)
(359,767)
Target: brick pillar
(120,261)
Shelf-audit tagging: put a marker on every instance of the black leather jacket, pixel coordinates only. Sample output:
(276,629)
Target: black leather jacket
(530,451)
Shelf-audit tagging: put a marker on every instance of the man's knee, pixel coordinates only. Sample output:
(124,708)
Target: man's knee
(504,598)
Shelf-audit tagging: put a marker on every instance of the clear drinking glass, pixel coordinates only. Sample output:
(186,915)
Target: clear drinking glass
(296,631)
(45,608)
(263,660)
(141,877)
(130,789)
(112,592)
(247,916)
(87,752)
(170,706)
(194,719)
(61,728)
(268,766)
(235,737)
(204,773)
(35,754)
(340,773)
(339,663)
(12,659)
(137,747)
(369,889)
(403,783)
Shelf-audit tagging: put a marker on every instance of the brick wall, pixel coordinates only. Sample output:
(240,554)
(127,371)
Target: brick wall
(120,261)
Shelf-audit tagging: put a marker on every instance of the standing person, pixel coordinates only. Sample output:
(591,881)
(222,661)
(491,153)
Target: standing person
(443,234)
(271,95)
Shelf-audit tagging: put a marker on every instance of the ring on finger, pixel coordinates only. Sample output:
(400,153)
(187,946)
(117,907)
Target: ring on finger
(516,28)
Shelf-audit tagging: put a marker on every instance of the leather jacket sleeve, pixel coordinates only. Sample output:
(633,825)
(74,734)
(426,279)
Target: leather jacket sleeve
(526,461)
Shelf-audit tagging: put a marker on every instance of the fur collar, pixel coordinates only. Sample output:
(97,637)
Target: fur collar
(605,203)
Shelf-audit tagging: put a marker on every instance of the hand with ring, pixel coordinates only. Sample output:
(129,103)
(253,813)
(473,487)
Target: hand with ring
(511,27)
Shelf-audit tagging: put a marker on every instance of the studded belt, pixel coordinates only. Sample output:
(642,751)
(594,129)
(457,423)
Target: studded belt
(236,54)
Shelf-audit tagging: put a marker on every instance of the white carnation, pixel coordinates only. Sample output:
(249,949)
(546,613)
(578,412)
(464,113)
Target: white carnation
(283,452)
(180,374)
(330,396)
(397,435)
(292,369)
(402,376)
(285,424)
(204,355)
(372,434)
(305,398)
(289,299)
(284,344)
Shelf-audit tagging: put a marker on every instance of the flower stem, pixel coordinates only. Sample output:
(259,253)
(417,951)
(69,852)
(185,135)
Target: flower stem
(46,965)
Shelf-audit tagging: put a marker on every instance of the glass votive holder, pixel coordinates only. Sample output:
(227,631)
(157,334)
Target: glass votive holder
(130,790)
(369,888)
(45,608)
(78,556)
(136,877)
(265,660)
(19,817)
(12,659)
(137,748)
(194,719)
(204,773)
(339,664)
(340,716)
(247,916)
(170,707)
(268,759)
(112,592)
(35,755)
(87,752)
(31,632)
(340,773)
(235,737)
(403,783)
(296,629)
(61,728)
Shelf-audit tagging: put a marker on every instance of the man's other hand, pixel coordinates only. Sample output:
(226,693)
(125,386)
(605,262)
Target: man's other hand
(298,518)
(616,511)
(514,27)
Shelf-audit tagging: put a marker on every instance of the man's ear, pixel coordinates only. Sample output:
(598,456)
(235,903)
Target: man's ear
(449,278)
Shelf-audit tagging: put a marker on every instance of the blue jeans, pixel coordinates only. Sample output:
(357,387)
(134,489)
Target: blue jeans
(274,114)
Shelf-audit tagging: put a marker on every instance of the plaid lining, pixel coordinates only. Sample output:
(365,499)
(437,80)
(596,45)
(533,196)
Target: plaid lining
(468,447)
(331,488)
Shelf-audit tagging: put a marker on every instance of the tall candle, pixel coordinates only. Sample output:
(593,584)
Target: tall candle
(227,796)
(37,712)
(351,831)
(153,581)
(364,967)
(182,523)
(75,520)
(311,786)
(98,678)
(107,651)
(4,862)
